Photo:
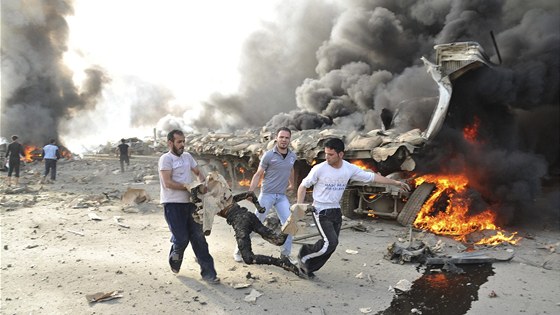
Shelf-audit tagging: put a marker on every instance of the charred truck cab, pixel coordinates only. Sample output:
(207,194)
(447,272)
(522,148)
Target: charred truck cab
(452,61)
(388,152)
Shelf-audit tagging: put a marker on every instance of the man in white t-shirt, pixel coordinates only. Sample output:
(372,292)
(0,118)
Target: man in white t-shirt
(50,155)
(175,174)
(329,179)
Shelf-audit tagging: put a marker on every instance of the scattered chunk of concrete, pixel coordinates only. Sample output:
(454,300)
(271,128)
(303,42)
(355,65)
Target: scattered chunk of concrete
(252,296)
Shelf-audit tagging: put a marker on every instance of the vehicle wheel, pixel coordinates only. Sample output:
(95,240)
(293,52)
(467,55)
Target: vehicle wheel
(414,204)
(349,202)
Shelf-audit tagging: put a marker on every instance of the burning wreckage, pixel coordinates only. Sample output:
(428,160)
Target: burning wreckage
(386,151)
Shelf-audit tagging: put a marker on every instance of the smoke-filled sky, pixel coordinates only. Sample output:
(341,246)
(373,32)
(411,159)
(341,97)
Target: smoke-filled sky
(86,72)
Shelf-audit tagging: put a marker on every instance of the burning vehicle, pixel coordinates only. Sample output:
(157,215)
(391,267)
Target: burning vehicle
(386,150)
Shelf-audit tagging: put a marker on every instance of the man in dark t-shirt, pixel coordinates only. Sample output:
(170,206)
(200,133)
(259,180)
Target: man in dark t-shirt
(124,153)
(14,153)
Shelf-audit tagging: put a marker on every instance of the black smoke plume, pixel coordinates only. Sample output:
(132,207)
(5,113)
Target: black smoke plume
(37,88)
(367,64)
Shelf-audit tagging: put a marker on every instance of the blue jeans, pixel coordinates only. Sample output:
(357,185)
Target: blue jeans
(185,230)
(282,205)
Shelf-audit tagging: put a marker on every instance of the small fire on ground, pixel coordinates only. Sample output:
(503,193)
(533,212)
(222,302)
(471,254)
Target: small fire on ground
(446,212)
(243,182)
(31,153)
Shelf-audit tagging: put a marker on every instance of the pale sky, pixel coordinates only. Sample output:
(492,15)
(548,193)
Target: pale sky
(190,47)
(174,43)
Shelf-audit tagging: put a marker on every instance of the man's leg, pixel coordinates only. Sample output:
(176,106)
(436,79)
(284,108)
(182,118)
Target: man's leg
(200,246)
(16,168)
(282,206)
(10,171)
(266,233)
(313,257)
(122,164)
(47,167)
(266,201)
(243,226)
(175,216)
(53,173)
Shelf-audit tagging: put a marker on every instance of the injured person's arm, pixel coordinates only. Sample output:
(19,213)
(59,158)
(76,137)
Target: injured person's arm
(251,197)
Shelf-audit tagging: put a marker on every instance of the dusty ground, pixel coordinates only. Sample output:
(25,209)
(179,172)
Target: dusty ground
(53,254)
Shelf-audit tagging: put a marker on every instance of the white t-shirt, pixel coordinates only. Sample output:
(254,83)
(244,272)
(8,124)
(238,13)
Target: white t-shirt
(180,167)
(329,182)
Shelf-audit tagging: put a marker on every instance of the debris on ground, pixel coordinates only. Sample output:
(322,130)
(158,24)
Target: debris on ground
(415,251)
(93,216)
(252,296)
(402,286)
(104,296)
(134,196)
(240,285)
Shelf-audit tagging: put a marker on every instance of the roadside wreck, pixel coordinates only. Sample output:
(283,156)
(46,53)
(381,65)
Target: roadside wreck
(382,150)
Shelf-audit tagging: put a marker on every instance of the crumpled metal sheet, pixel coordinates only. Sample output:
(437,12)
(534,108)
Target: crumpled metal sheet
(307,144)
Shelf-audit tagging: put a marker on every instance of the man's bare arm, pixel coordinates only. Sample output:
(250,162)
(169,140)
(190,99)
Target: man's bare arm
(198,174)
(384,180)
(255,180)
(301,193)
(168,182)
(291,180)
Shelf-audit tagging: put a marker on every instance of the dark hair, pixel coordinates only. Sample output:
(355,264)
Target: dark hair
(172,133)
(283,129)
(52,141)
(14,138)
(122,140)
(335,144)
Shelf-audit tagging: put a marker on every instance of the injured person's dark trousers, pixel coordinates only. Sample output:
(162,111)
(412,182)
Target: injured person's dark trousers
(245,222)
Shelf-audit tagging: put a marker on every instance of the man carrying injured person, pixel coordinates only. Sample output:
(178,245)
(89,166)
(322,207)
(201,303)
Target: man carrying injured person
(218,200)
(329,180)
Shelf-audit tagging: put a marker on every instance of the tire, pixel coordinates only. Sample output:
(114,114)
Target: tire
(414,204)
(349,202)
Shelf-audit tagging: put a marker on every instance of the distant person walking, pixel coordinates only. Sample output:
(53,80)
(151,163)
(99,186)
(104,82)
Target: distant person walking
(124,154)
(14,154)
(50,156)
(175,174)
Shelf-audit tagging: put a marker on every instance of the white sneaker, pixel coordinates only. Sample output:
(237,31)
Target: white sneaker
(237,256)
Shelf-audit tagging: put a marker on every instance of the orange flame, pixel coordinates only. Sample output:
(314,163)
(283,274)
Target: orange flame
(454,219)
(363,165)
(470,132)
(244,182)
(31,153)
(66,154)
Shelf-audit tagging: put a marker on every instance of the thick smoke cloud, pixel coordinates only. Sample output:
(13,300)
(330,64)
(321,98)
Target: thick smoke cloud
(340,64)
(37,88)
(368,64)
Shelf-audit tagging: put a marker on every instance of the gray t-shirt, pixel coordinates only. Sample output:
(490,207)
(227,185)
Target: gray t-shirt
(277,171)
(180,167)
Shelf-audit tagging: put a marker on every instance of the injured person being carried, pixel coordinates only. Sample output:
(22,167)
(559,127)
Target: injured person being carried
(214,197)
